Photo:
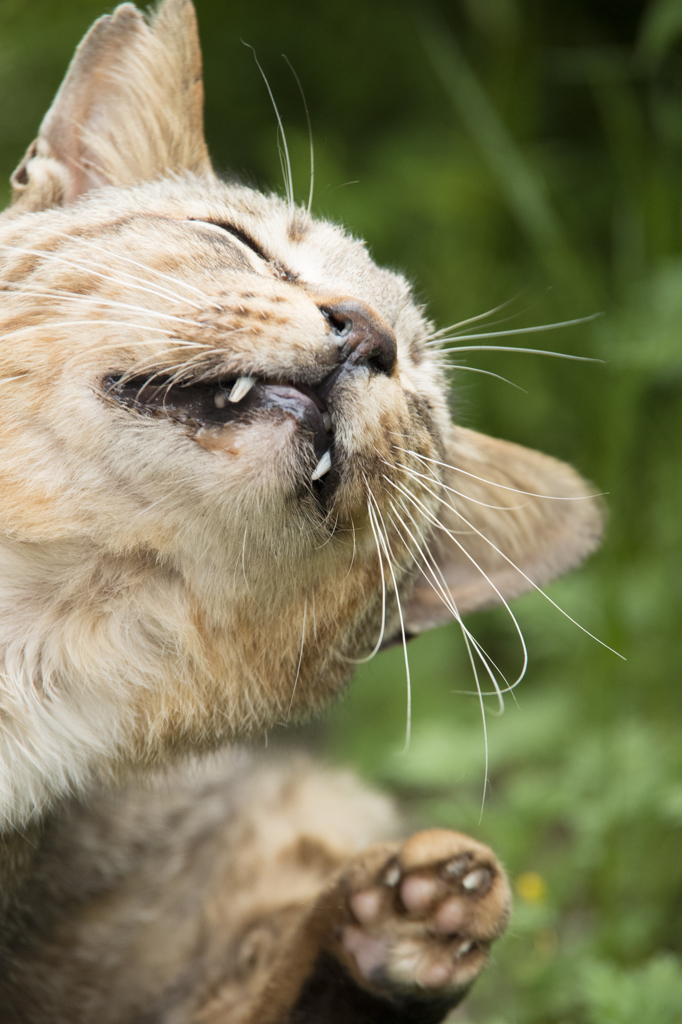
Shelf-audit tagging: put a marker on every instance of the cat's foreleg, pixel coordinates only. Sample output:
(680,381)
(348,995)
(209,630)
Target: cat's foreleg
(398,938)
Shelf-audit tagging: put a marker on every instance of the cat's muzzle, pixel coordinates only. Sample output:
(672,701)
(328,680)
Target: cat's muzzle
(218,404)
(366,343)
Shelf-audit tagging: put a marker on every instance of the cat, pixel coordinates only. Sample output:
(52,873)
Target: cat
(229,472)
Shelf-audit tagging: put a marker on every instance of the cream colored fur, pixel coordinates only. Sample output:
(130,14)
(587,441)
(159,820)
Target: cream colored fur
(164,588)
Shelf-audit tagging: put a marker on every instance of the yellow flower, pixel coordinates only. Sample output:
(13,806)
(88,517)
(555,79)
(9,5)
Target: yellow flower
(531,887)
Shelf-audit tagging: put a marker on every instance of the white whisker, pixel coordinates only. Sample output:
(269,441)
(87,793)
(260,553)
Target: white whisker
(472,319)
(516,567)
(310,134)
(97,300)
(177,282)
(352,557)
(116,278)
(284,157)
(460,494)
(481,704)
(300,658)
(494,483)
(246,530)
(443,341)
(467,636)
(436,580)
(375,650)
(486,373)
(436,522)
(41,328)
(387,550)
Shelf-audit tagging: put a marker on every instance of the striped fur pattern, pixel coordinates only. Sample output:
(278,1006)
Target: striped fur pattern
(229,472)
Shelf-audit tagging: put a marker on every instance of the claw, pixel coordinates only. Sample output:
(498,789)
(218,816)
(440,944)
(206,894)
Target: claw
(392,876)
(476,879)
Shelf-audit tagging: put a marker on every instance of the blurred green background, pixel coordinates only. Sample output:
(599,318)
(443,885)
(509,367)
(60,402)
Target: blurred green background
(494,150)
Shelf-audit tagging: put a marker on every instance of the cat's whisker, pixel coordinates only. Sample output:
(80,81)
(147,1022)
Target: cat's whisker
(246,530)
(484,722)
(97,300)
(377,646)
(487,373)
(177,282)
(484,657)
(165,501)
(108,276)
(37,329)
(494,483)
(445,337)
(469,641)
(444,593)
(310,134)
(518,569)
(300,658)
(352,557)
(187,368)
(205,356)
(17,376)
(443,343)
(285,159)
(436,580)
(446,596)
(314,618)
(471,319)
(437,523)
(467,497)
(482,331)
(129,281)
(521,351)
(383,536)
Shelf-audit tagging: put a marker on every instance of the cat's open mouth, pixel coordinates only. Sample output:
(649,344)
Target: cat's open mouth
(215,405)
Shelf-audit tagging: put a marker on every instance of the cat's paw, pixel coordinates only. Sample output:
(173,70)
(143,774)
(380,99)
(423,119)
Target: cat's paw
(420,918)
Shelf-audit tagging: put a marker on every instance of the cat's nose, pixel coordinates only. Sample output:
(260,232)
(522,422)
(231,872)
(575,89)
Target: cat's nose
(365,338)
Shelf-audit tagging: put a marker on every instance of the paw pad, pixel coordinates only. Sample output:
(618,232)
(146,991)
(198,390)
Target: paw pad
(423,917)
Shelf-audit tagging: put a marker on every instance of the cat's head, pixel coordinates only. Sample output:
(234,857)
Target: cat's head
(225,438)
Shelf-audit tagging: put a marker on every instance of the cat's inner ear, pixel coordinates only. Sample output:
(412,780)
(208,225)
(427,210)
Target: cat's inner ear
(511,518)
(129,110)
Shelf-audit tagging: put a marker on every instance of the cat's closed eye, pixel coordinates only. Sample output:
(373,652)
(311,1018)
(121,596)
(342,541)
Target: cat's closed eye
(236,233)
(229,467)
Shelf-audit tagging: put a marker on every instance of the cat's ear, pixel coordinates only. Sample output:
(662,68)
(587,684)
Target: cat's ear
(130,109)
(513,517)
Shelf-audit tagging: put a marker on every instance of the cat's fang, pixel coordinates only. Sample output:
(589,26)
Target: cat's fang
(241,388)
(323,466)
(327,420)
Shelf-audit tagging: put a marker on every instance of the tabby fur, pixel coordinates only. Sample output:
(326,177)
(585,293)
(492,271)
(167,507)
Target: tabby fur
(171,582)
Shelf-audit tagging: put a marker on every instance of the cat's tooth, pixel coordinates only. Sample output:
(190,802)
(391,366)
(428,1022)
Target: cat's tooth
(220,400)
(323,466)
(241,388)
(327,420)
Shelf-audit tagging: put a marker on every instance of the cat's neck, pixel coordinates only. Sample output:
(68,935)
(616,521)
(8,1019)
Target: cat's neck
(109,663)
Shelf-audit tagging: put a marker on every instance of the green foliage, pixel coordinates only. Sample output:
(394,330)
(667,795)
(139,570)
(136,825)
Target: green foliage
(651,994)
(501,148)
